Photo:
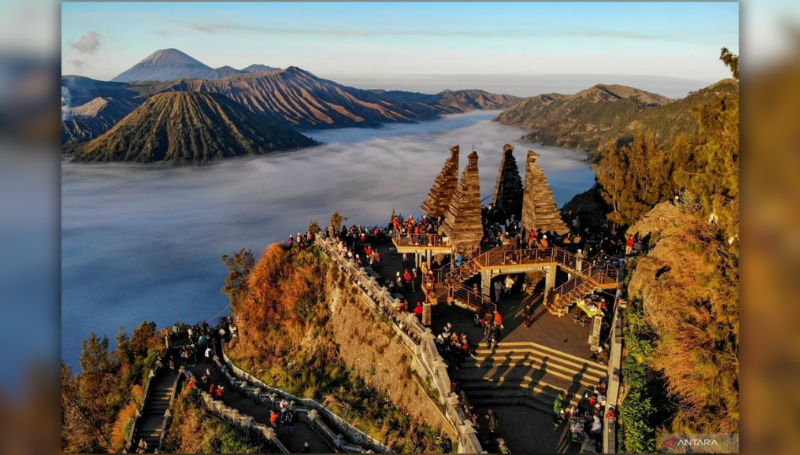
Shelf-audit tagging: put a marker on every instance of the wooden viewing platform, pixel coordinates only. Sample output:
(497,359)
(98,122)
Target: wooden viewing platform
(420,243)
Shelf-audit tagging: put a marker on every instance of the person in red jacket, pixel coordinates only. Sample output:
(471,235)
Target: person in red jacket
(418,310)
(220,390)
(629,245)
(498,319)
(409,281)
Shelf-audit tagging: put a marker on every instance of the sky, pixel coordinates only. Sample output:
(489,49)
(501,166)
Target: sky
(377,40)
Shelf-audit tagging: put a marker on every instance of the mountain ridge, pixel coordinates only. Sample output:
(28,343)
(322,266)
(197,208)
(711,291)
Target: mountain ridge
(186,127)
(590,118)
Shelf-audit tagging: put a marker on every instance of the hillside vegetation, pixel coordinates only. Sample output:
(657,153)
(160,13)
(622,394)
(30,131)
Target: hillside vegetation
(589,119)
(286,337)
(99,403)
(682,321)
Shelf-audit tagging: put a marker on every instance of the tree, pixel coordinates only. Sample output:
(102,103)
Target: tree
(336,220)
(239,267)
(731,60)
(633,177)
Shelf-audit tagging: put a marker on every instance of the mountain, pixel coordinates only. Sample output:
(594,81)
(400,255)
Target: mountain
(295,97)
(90,120)
(259,69)
(290,97)
(165,64)
(183,127)
(594,116)
(170,64)
(458,100)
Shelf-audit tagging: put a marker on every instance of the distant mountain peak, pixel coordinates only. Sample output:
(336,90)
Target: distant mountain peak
(259,68)
(173,64)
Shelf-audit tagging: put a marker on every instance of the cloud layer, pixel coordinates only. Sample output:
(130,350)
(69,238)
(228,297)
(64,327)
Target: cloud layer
(144,242)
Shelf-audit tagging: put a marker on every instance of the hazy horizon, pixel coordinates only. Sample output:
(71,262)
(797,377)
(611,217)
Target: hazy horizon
(377,40)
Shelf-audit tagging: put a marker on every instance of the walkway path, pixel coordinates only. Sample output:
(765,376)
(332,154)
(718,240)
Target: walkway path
(240,401)
(152,420)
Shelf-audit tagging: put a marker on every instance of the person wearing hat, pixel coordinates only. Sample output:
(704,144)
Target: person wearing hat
(579,257)
(544,243)
(306,448)
(418,310)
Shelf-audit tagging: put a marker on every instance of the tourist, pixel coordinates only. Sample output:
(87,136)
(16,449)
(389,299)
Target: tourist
(414,278)
(446,330)
(509,285)
(283,407)
(476,320)
(407,280)
(273,418)
(558,407)
(290,420)
(579,257)
(405,259)
(543,243)
(498,320)
(629,245)
(425,267)
(502,447)
(220,391)
(597,427)
(418,311)
(528,313)
(142,447)
(459,260)
(498,288)
(171,365)
(487,323)
(290,241)
(494,423)
(306,448)
(400,285)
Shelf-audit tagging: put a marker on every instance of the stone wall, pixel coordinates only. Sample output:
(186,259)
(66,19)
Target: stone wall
(370,346)
(416,337)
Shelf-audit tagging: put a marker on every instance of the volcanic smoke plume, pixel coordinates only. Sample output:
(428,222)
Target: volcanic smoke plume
(65,100)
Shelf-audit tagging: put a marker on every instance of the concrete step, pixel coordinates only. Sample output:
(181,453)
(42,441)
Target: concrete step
(540,351)
(491,402)
(537,361)
(545,396)
(500,373)
(535,387)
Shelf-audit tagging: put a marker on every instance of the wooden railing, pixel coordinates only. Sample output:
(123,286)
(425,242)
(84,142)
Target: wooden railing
(410,239)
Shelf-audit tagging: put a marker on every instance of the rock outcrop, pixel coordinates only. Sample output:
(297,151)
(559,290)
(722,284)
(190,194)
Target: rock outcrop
(539,209)
(463,222)
(508,192)
(444,186)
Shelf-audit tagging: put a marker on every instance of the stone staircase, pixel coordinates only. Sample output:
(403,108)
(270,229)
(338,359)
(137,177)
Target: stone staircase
(526,373)
(153,413)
